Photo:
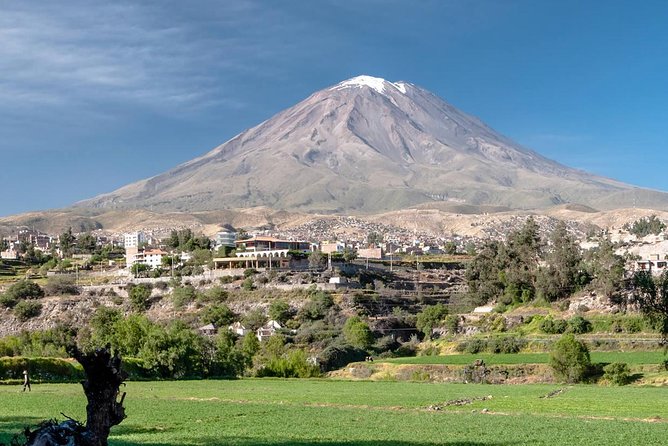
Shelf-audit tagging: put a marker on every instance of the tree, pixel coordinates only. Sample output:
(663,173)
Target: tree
(175,351)
(562,275)
(483,273)
(250,345)
(86,243)
(374,238)
(139,296)
(254,319)
(279,310)
(19,291)
(219,315)
(316,260)
(569,359)
(450,248)
(349,254)
(357,333)
(606,268)
(228,360)
(430,317)
(651,296)
(646,226)
(138,269)
(66,241)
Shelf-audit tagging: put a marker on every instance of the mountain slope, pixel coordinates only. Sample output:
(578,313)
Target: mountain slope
(370,145)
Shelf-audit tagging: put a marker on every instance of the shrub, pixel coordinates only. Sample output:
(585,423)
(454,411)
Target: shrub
(316,307)
(280,311)
(219,315)
(338,355)
(183,295)
(569,359)
(139,296)
(451,323)
(7,300)
(26,309)
(250,272)
(61,285)
(579,325)
(472,346)
(550,326)
(41,369)
(293,364)
(215,294)
(617,373)
(633,324)
(430,317)
(24,289)
(247,284)
(358,333)
(506,344)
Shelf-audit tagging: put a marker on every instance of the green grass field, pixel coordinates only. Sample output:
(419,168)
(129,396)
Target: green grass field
(632,358)
(328,412)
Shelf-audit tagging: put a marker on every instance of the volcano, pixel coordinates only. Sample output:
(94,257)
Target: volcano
(369,145)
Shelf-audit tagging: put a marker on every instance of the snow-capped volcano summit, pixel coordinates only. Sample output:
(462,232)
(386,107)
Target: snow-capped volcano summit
(376,83)
(367,144)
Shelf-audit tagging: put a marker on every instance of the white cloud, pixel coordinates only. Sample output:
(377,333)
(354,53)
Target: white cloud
(141,54)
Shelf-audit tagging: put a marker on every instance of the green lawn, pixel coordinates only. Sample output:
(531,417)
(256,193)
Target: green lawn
(633,357)
(327,412)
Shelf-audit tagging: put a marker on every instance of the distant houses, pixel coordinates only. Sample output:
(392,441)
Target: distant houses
(263,333)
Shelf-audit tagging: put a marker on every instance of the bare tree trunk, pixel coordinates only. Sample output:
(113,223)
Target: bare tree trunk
(101,386)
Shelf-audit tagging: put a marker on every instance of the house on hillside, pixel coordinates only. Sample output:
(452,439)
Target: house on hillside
(238,329)
(208,330)
(268,330)
(654,265)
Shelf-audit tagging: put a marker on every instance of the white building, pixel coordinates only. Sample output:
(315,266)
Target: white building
(134,239)
(226,238)
(153,258)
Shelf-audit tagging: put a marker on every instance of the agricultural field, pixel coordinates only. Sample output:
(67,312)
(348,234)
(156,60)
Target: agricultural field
(327,412)
(631,358)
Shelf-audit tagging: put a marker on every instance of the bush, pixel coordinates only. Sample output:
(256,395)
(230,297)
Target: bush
(550,326)
(41,369)
(293,364)
(215,294)
(250,272)
(430,317)
(219,315)
(579,325)
(61,285)
(279,310)
(338,355)
(183,295)
(617,373)
(506,344)
(24,289)
(247,284)
(357,333)
(569,359)
(26,309)
(139,296)
(472,346)
(7,300)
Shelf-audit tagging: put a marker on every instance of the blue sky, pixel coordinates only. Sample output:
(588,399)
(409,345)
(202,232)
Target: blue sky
(95,95)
